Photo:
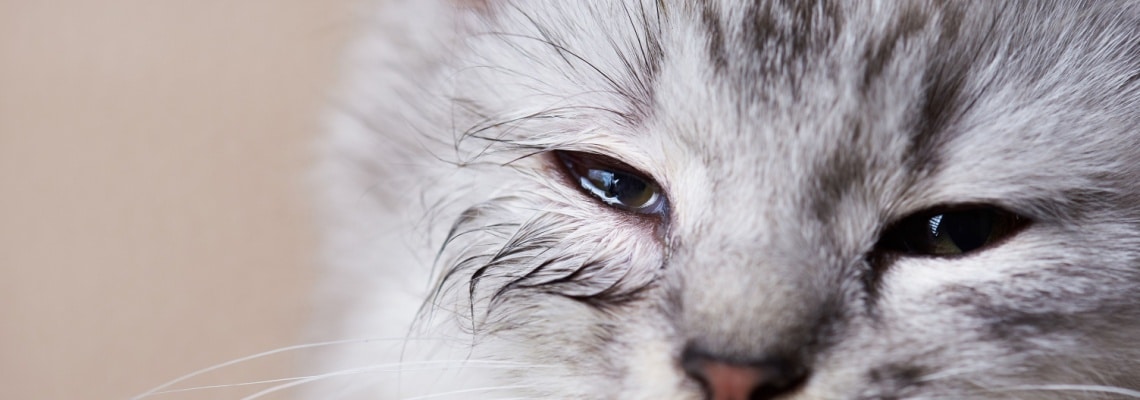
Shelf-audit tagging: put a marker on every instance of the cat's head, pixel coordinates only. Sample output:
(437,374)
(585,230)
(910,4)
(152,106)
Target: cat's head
(816,200)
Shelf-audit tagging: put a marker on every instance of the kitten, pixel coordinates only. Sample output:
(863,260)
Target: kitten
(736,200)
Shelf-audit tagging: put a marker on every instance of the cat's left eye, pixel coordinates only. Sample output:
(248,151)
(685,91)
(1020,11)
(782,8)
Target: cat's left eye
(951,232)
(613,183)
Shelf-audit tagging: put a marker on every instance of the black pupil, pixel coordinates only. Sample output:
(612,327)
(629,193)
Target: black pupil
(950,232)
(969,230)
(626,188)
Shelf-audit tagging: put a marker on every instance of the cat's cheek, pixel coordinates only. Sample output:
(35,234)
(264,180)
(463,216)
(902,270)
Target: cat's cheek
(604,328)
(651,370)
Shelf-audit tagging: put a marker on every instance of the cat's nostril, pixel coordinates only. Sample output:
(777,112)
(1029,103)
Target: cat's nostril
(742,381)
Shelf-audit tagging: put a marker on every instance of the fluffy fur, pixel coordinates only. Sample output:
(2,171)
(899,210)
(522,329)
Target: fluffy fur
(787,135)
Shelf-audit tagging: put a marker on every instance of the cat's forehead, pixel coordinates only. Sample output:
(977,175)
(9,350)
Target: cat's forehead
(778,72)
(950,102)
(816,94)
(807,97)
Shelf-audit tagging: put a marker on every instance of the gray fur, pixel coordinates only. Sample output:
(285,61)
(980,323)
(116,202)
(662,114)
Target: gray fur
(787,136)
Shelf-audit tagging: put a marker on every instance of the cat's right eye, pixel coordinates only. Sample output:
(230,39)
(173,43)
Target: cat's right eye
(613,183)
(951,232)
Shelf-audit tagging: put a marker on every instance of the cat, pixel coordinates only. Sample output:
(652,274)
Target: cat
(716,199)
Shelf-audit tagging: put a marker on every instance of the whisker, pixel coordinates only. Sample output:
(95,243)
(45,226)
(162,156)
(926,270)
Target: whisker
(351,371)
(280,350)
(950,373)
(225,385)
(397,367)
(476,390)
(1074,388)
(315,378)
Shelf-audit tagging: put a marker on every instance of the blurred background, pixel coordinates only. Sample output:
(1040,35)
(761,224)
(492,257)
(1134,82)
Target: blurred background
(154,218)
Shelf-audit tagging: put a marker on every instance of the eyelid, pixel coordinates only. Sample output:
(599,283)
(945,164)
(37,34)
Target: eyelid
(567,158)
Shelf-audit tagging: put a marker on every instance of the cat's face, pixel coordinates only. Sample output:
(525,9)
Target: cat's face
(816,200)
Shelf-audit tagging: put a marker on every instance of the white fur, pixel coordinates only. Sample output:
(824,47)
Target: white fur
(445,108)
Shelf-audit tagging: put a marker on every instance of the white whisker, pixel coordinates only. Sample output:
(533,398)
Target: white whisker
(1075,388)
(950,373)
(225,385)
(160,388)
(476,390)
(393,367)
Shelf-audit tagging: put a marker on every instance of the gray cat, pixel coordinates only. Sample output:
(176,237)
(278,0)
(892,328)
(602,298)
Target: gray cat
(736,200)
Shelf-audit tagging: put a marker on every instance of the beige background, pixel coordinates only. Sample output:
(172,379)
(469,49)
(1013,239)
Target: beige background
(153,215)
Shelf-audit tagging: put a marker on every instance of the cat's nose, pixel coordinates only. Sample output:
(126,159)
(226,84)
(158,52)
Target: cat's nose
(761,380)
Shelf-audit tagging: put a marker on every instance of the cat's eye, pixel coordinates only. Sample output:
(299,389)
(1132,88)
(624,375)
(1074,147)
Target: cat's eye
(613,182)
(955,231)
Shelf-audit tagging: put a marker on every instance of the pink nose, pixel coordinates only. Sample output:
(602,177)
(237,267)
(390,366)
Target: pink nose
(732,381)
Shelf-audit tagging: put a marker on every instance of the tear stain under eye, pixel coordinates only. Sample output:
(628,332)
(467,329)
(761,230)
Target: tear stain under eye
(657,223)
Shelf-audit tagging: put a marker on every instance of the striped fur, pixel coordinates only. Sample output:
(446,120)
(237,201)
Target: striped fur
(787,136)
